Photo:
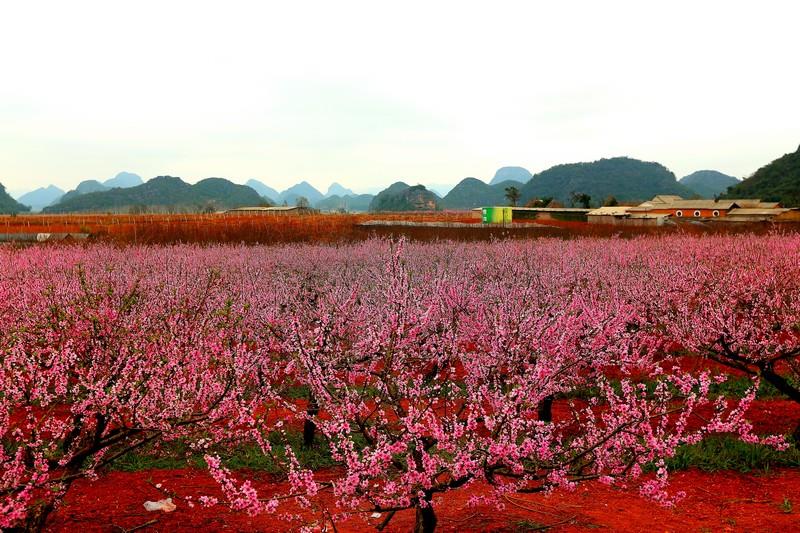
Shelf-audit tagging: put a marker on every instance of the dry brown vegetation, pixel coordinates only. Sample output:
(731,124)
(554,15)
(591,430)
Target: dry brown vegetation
(322,228)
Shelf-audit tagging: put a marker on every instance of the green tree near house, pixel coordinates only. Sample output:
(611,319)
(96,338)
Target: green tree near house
(581,199)
(539,202)
(512,195)
(610,201)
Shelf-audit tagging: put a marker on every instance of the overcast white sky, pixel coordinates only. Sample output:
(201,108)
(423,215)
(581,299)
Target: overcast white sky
(366,93)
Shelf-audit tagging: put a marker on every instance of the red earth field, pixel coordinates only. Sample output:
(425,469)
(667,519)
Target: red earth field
(718,501)
(722,501)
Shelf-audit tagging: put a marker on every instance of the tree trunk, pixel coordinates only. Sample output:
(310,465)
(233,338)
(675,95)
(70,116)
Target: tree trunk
(309,427)
(783,385)
(36,519)
(426,520)
(545,410)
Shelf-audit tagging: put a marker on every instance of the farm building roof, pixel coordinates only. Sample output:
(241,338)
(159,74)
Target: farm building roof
(666,199)
(615,210)
(669,201)
(755,211)
(688,204)
(553,209)
(754,202)
(624,211)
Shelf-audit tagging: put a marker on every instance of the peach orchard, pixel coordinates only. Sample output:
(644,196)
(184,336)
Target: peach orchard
(420,368)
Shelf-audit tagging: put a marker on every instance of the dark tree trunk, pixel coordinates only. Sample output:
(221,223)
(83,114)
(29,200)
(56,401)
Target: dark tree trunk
(781,383)
(546,409)
(785,387)
(309,427)
(36,519)
(426,520)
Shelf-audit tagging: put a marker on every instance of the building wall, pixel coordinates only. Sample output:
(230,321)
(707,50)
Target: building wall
(497,215)
(561,216)
(689,213)
(789,216)
(624,221)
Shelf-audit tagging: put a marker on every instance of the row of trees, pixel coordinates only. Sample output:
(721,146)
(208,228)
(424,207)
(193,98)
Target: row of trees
(426,368)
(578,199)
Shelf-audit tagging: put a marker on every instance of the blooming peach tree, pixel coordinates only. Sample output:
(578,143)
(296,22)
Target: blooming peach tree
(98,360)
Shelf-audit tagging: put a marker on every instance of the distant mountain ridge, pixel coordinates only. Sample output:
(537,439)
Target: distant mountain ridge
(624,178)
(402,197)
(708,183)
(41,197)
(779,181)
(121,180)
(163,192)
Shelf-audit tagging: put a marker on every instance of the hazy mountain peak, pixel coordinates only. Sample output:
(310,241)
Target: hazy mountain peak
(41,197)
(124,179)
(708,183)
(519,174)
(303,189)
(264,190)
(338,190)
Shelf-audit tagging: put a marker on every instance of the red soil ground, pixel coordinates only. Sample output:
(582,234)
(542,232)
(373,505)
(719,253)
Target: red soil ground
(767,416)
(721,501)
(714,502)
(773,416)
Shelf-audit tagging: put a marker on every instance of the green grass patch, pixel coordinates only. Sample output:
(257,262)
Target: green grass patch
(177,454)
(728,453)
(737,386)
(734,387)
(296,392)
(136,462)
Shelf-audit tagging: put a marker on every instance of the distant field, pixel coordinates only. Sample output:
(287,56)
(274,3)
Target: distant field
(323,228)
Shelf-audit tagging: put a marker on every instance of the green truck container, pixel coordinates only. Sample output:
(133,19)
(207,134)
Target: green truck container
(496,215)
